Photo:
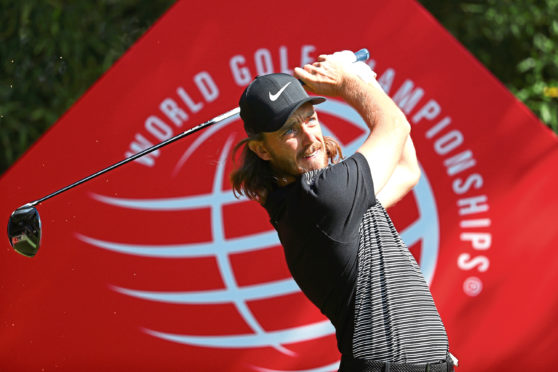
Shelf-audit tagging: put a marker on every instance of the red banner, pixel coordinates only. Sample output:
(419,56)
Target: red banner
(156,266)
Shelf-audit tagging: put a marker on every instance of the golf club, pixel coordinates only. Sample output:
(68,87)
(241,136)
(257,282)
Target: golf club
(24,225)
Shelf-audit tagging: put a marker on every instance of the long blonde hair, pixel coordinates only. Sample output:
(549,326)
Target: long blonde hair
(254,177)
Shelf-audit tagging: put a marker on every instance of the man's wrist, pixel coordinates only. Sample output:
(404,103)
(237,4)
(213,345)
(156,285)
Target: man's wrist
(353,90)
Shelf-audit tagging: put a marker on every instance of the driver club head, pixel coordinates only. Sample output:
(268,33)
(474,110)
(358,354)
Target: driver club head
(24,230)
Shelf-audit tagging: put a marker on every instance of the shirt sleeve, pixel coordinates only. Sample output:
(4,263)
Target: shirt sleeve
(339,197)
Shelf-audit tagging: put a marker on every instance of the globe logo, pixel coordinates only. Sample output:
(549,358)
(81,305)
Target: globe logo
(424,229)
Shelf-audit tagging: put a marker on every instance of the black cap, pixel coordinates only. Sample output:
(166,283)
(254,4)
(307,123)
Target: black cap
(269,100)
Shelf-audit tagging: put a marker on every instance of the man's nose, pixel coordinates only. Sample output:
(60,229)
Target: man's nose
(308,136)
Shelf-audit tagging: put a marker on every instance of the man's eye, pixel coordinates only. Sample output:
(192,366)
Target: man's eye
(311,122)
(289,131)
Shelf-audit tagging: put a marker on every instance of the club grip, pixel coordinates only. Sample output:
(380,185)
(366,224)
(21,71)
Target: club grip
(362,55)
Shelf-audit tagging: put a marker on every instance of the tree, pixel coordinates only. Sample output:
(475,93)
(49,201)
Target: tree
(52,51)
(516,40)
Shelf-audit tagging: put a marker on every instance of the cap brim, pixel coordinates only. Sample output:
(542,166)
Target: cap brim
(315,100)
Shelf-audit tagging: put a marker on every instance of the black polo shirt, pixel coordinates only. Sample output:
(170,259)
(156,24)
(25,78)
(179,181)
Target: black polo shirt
(344,253)
(317,219)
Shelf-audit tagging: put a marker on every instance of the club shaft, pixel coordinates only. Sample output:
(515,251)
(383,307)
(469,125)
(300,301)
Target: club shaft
(361,55)
(215,120)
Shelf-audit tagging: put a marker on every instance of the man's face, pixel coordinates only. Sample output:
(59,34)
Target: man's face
(297,147)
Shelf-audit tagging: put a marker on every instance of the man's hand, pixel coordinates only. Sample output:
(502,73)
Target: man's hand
(332,74)
(327,76)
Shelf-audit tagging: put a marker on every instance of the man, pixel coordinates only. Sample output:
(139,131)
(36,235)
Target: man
(340,245)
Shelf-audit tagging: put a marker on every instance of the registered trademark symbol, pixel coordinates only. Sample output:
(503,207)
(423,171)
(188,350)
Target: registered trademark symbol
(472,286)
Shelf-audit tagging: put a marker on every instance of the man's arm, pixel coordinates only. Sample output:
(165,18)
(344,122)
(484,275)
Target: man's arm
(331,75)
(404,177)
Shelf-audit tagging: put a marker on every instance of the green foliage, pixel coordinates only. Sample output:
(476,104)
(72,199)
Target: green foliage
(51,52)
(516,40)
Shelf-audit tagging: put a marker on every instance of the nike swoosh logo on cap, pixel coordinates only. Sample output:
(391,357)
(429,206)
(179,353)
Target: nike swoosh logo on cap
(273,97)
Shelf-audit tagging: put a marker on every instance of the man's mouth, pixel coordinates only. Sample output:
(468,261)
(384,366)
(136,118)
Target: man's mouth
(312,151)
(306,156)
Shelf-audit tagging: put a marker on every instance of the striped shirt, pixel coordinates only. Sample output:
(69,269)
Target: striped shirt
(344,253)
(395,317)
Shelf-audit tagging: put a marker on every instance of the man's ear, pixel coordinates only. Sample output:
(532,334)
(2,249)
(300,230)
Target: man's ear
(259,149)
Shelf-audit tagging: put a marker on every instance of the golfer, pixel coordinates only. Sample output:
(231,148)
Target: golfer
(340,245)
